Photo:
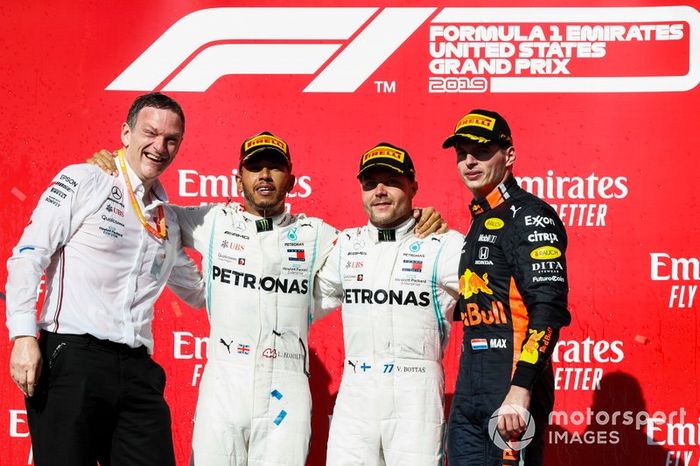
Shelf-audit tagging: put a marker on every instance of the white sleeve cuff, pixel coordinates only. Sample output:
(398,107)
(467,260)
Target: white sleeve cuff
(22,325)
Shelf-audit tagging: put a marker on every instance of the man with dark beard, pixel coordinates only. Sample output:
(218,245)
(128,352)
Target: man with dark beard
(258,260)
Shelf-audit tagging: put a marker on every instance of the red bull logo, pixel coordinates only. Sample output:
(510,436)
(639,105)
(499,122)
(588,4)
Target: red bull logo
(471,283)
(530,353)
(472,315)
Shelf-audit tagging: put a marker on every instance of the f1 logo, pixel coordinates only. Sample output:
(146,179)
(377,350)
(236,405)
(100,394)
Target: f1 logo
(273,41)
(343,46)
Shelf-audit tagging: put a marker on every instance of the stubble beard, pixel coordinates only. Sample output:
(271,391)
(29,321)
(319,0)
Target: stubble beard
(266,207)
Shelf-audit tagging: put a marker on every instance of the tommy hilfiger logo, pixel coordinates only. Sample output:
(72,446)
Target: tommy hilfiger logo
(411,265)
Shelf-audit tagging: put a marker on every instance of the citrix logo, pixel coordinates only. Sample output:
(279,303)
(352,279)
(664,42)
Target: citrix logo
(273,41)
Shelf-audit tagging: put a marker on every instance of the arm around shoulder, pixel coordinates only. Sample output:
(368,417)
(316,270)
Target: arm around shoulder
(186,281)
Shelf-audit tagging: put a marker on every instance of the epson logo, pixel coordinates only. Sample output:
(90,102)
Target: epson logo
(343,46)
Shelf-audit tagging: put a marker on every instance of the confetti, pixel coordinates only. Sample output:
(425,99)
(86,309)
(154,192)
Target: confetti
(18,194)
(176,308)
(641,339)
(280,417)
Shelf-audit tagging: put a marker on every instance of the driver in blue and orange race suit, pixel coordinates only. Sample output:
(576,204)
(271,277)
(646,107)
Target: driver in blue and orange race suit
(513,302)
(259,263)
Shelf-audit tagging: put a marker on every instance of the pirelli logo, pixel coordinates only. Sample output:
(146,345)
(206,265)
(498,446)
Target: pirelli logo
(474,119)
(384,152)
(266,140)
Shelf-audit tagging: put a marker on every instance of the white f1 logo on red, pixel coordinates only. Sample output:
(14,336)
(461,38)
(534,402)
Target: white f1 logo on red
(343,46)
(273,41)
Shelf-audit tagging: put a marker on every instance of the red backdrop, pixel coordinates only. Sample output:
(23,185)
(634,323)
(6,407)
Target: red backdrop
(602,100)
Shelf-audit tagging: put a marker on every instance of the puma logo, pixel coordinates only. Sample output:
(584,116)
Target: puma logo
(227,345)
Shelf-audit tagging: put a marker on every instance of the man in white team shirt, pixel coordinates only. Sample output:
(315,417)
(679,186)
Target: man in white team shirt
(397,294)
(108,246)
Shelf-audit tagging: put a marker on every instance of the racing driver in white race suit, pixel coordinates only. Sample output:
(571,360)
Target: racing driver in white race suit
(259,262)
(397,294)
(254,405)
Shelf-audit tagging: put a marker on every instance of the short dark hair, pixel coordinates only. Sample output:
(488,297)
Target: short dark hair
(155,100)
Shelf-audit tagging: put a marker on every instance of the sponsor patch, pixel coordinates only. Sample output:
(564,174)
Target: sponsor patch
(483,256)
(474,119)
(385,152)
(410,265)
(296,255)
(471,283)
(539,237)
(551,278)
(539,221)
(114,210)
(545,253)
(530,351)
(111,230)
(266,139)
(487,238)
(117,193)
(52,200)
(479,344)
(472,315)
(494,224)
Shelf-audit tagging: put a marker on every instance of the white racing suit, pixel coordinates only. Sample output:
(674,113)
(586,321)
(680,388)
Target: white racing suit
(397,299)
(254,403)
